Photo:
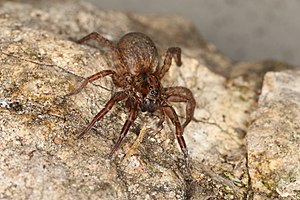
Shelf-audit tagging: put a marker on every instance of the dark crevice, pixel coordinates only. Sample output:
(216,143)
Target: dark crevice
(250,193)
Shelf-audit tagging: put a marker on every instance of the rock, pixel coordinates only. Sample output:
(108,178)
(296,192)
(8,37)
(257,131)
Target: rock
(273,138)
(40,155)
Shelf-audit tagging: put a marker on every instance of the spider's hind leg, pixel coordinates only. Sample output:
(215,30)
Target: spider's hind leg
(99,38)
(172,52)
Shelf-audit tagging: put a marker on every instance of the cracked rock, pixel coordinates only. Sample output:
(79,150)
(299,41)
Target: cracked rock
(273,138)
(40,157)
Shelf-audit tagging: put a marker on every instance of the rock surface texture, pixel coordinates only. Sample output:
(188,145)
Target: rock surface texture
(40,157)
(273,137)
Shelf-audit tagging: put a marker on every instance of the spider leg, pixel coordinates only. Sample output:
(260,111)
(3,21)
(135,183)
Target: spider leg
(94,77)
(132,116)
(172,52)
(161,117)
(182,94)
(96,36)
(119,96)
(170,112)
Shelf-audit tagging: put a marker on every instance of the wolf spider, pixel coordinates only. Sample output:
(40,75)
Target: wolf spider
(138,72)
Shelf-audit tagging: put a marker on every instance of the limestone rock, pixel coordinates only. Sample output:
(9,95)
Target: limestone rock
(273,137)
(40,157)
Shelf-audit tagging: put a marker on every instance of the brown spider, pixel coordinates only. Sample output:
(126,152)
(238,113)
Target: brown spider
(137,71)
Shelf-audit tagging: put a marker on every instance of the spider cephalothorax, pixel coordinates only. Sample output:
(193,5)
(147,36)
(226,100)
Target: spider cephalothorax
(148,89)
(138,72)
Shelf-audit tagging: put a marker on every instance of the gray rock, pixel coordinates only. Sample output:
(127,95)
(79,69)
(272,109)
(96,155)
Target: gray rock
(40,155)
(273,138)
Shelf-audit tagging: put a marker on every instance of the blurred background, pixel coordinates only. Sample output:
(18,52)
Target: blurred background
(243,30)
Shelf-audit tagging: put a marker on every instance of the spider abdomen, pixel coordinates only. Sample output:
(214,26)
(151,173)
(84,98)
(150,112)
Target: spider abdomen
(138,53)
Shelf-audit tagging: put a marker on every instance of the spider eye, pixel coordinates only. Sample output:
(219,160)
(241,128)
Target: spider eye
(152,91)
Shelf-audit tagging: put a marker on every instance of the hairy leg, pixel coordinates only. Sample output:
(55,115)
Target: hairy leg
(98,37)
(170,112)
(172,52)
(90,79)
(161,117)
(132,116)
(182,94)
(119,96)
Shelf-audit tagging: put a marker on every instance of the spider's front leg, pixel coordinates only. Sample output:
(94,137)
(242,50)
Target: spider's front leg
(119,96)
(182,94)
(161,117)
(132,116)
(170,112)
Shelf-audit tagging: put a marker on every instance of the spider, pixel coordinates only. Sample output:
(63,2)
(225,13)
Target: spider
(138,73)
